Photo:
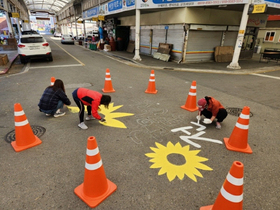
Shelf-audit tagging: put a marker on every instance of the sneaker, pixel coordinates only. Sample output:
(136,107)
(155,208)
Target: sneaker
(90,117)
(83,126)
(218,126)
(59,114)
(48,115)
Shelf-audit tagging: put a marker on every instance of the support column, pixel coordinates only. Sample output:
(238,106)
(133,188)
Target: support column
(76,23)
(234,63)
(18,26)
(137,36)
(184,52)
(8,19)
(9,23)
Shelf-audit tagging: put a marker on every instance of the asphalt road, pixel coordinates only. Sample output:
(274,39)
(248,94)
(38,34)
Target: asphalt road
(141,134)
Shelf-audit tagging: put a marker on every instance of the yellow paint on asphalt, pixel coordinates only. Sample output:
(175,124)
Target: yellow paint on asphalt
(70,54)
(110,115)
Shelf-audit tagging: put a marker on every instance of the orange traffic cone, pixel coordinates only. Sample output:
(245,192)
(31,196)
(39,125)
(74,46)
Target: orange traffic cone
(238,140)
(25,137)
(52,80)
(152,84)
(96,187)
(191,100)
(231,193)
(108,87)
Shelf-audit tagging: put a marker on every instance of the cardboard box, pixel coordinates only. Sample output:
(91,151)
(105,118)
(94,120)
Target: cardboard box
(3,59)
(107,47)
(223,54)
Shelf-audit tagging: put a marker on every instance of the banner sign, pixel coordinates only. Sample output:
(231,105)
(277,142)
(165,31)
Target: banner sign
(90,13)
(111,7)
(273,3)
(148,4)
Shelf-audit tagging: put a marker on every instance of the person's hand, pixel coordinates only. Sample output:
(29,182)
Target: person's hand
(207,121)
(102,120)
(198,117)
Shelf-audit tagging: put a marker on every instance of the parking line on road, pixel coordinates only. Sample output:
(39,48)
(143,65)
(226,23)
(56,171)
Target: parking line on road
(56,66)
(262,75)
(70,54)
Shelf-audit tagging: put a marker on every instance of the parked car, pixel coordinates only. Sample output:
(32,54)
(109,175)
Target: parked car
(80,37)
(57,34)
(33,46)
(67,39)
(29,32)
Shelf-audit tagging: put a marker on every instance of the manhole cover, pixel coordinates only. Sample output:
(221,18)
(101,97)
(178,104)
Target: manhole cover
(236,111)
(37,130)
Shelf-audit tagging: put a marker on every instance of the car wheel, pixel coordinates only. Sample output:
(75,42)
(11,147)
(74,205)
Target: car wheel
(22,59)
(50,58)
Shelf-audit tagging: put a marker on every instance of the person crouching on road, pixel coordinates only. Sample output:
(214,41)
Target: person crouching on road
(92,99)
(211,109)
(53,99)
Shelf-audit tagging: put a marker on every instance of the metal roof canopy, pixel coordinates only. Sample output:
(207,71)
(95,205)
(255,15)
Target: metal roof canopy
(45,6)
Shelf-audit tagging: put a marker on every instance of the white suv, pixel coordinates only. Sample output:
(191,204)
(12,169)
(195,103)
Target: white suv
(33,46)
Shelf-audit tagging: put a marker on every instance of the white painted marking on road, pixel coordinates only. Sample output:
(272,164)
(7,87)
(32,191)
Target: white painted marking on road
(56,66)
(263,75)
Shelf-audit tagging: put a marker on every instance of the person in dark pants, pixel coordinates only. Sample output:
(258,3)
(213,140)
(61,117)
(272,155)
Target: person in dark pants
(53,99)
(92,99)
(211,109)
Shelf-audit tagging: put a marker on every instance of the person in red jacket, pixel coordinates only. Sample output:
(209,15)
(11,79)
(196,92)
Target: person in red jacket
(211,109)
(92,99)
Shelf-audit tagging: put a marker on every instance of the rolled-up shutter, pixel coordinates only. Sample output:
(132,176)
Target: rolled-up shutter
(201,45)
(176,37)
(145,41)
(158,37)
(230,38)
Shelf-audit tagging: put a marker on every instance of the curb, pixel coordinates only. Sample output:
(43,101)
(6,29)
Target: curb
(133,63)
(9,65)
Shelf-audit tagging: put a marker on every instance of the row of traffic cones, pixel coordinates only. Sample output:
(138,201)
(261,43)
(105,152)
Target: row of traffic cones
(238,140)
(108,86)
(96,187)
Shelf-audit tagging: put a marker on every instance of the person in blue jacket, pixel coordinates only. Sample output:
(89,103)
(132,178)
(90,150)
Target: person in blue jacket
(53,99)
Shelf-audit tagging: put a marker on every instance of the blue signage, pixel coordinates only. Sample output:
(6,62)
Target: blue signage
(130,3)
(172,1)
(90,13)
(114,5)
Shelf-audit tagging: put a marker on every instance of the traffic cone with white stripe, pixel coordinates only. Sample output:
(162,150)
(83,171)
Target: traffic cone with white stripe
(152,84)
(238,140)
(108,86)
(52,80)
(231,193)
(190,104)
(96,187)
(25,137)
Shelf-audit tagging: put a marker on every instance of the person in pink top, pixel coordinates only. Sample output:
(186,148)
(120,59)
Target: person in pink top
(92,99)
(212,109)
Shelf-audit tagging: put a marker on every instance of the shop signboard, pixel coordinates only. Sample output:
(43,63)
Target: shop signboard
(111,7)
(273,3)
(15,15)
(148,4)
(90,13)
